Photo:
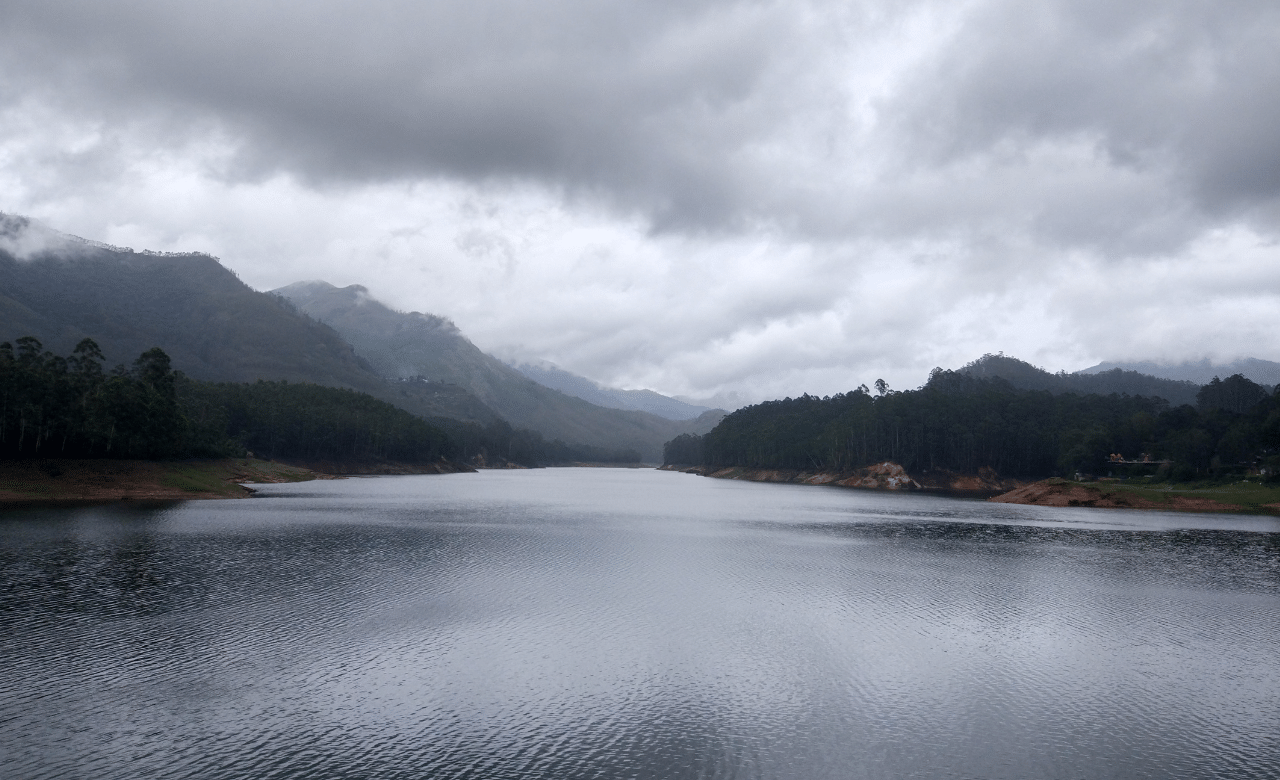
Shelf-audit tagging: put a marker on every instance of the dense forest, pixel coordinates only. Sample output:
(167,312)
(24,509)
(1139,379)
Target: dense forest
(961,422)
(72,407)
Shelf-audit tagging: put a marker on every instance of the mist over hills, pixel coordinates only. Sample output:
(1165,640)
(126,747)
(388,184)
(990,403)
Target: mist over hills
(214,327)
(411,344)
(569,383)
(211,324)
(61,289)
(1264,372)
(1025,376)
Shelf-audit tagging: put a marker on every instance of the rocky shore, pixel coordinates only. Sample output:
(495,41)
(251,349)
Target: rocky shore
(881,476)
(1048,492)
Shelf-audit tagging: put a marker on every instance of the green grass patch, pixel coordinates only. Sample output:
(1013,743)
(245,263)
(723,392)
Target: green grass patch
(1249,495)
(34,489)
(222,477)
(210,477)
(253,470)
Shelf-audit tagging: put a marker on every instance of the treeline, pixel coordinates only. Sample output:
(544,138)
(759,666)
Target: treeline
(71,407)
(56,407)
(304,422)
(959,422)
(498,441)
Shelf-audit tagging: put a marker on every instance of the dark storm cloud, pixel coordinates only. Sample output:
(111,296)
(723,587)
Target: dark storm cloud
(1176,92)
(713,114)
(631,100)
(755,196)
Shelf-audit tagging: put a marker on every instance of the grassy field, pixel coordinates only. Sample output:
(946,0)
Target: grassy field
(25,481)
(223,476)
(1249,496)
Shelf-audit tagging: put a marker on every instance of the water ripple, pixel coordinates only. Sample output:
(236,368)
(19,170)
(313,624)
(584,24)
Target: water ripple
(633,624)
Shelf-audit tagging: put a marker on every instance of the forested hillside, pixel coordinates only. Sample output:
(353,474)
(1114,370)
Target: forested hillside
(56,407)
(61,289)
(213,326)
(962,423)
(71,407)
(426,347)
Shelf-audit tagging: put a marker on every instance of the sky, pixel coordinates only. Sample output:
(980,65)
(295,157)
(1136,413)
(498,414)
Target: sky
(733,200)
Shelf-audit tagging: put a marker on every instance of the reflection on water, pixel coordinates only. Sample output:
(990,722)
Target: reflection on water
(584,623)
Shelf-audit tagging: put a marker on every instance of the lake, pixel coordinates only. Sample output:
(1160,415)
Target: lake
(613,623)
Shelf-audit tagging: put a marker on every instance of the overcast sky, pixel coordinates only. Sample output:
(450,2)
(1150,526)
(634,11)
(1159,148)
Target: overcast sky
(696,197)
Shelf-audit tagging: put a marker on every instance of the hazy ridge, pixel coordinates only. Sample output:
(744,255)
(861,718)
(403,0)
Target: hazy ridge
(214,327)
(611,397)
(1025,376)
(1200,372)
(415,345)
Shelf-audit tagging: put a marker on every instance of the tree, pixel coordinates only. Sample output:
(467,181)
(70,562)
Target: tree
(1235,394)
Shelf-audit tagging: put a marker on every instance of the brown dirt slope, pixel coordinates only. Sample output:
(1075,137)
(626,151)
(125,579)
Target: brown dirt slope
(1059,492)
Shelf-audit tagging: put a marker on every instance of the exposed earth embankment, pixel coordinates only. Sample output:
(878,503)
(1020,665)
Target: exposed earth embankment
(1241,497)
(881,476)
(1249,497)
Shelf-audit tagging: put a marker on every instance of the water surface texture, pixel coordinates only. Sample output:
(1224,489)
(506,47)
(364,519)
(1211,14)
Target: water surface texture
(608,623)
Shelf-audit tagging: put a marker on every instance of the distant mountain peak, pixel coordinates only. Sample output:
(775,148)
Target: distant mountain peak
(1202,371)
(1026,376)
(550,375)
(403,345)
(323,300)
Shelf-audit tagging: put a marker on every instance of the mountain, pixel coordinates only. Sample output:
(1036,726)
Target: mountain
(410,344)
(611,397)
(1263,372)
(62,289)
(1025,376)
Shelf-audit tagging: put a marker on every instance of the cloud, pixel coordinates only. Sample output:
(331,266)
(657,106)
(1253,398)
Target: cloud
(701,197)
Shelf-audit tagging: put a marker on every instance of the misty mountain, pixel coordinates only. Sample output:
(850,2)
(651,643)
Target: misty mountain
(62,289)
(1025,376)
(611,397)
(410,344)
(1263,372)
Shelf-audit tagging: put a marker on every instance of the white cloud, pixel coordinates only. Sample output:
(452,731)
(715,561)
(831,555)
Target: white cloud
(760,198)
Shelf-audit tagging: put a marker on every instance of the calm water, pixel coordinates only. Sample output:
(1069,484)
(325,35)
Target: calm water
(580,623)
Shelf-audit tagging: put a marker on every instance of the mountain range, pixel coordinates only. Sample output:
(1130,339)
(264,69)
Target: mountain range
(61,289)
(414,346)
(1025,376)
(612,397)
(214,327)
(1201,372)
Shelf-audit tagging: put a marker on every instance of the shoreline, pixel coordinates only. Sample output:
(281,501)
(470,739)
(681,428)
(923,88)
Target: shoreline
(101,480)
(61,480)
(1249,498)
(881,476)
(1245,498)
